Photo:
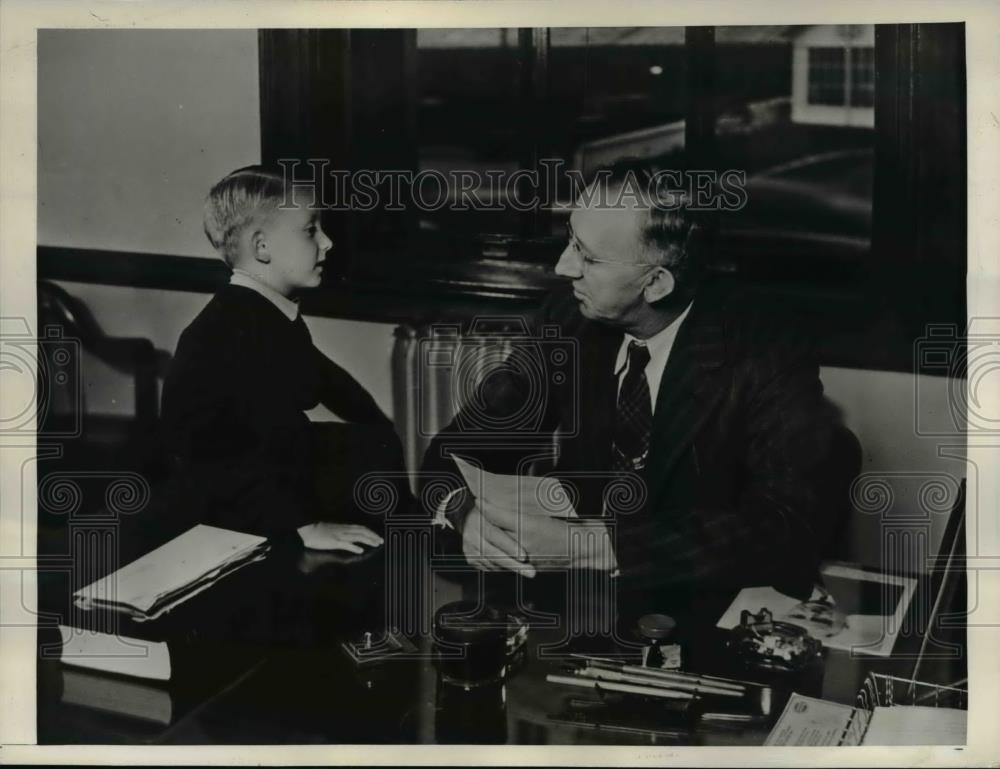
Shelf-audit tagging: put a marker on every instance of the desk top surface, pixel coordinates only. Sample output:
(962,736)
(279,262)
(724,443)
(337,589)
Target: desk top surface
(304,689)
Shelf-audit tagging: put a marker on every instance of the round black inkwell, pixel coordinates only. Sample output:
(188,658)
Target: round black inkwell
(470,643)
(656,631)
(470,652)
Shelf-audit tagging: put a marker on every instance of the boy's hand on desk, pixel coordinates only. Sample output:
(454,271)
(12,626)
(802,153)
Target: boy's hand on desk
(338,536)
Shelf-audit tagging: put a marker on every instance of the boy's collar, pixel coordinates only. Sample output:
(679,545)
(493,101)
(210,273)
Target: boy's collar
(283,303)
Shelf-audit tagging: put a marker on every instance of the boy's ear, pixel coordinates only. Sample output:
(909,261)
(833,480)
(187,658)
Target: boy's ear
(258,244)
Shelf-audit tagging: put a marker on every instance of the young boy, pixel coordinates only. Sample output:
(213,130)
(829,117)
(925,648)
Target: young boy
(246,371)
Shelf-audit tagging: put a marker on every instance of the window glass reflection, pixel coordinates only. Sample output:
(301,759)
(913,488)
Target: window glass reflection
(795,112)
(469,118)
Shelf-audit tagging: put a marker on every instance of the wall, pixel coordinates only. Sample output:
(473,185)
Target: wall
(134,126)
(913,458)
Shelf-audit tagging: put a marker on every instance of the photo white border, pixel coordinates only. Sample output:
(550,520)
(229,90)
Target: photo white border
(19,21)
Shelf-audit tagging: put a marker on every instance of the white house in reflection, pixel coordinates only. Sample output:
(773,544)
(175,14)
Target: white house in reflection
(833,75)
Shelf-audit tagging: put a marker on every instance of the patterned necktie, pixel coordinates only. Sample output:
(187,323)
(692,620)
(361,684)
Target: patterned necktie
(635,413)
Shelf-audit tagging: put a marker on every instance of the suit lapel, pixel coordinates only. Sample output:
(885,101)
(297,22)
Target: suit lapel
(692,383)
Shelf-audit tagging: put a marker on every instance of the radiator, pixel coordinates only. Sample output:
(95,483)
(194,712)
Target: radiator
(435,369)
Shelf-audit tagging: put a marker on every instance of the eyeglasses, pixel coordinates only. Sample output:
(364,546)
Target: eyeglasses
(587,256)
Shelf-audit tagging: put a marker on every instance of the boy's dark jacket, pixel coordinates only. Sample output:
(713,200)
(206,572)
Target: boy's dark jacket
(242,453)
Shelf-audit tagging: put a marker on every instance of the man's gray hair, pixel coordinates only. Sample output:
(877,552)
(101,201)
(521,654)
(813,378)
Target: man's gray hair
(669,229)
(677,239)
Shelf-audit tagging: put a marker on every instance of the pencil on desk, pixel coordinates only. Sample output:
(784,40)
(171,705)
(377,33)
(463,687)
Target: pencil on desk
(716,685)
(591,683)
(657,682)
(613,664)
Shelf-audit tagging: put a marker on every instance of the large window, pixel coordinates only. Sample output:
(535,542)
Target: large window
(469,110)
(841,194)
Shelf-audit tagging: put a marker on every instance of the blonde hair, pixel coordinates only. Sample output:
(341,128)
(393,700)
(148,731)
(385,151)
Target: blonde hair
(233,203)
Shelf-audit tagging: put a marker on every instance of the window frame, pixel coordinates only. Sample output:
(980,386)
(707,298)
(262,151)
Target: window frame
(854,79)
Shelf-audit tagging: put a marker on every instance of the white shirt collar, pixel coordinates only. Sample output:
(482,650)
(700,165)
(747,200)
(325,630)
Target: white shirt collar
(283,303)
(659,345)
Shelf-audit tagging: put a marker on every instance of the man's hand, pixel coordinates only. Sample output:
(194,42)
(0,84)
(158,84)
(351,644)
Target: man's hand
(554,542)
(338,536)
(490,548)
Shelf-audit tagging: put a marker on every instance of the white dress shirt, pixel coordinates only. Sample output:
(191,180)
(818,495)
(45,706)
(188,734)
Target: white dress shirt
(283,303)
(659,346)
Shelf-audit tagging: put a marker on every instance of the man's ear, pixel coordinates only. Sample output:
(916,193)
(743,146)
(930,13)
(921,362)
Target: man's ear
(660,284)
(258,243)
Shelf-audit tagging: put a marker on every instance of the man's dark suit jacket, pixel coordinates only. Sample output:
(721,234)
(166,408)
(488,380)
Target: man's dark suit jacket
(244,455)
(738,481)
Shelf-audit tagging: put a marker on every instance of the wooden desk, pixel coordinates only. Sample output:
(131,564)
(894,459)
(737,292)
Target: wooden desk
(307,691)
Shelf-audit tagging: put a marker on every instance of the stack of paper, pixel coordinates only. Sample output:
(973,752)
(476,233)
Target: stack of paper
(173,573)
(810,722)
(916,725)
(813,722)
(115,653)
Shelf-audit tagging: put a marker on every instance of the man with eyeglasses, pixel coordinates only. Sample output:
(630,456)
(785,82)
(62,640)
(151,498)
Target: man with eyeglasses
(688,424)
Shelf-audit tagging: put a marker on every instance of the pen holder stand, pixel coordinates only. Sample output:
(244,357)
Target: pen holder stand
(368,649)
(763,644)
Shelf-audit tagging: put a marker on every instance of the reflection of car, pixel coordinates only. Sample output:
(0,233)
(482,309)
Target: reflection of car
(814,209)
(830,192)
(804,220)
